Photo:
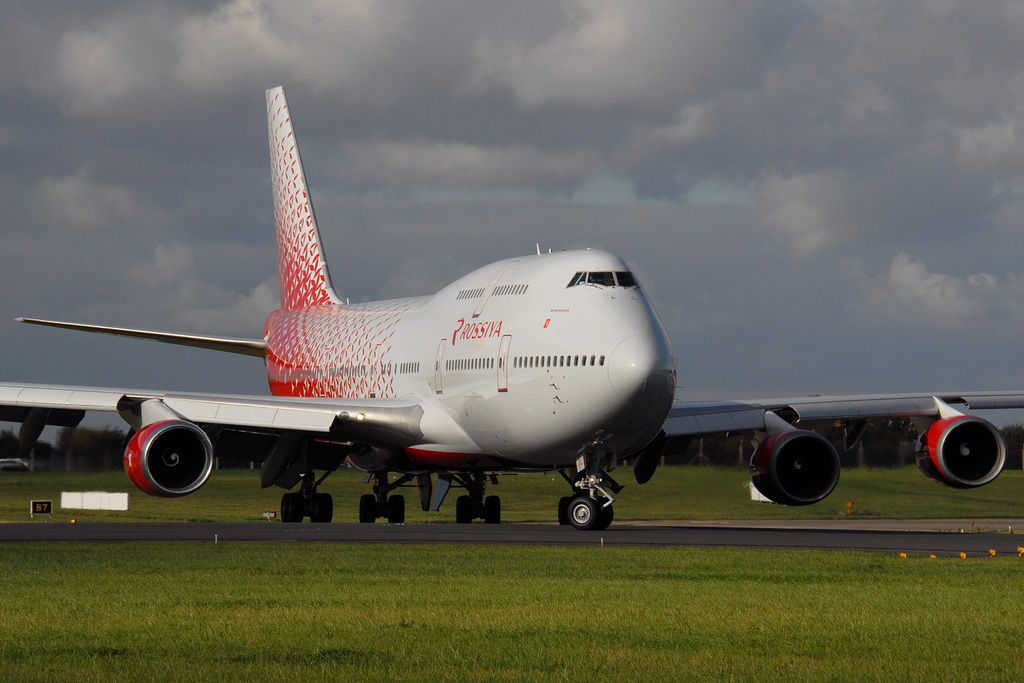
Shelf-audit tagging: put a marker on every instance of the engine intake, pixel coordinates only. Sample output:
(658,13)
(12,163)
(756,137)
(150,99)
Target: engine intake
(963,452)
(169,459)
(797,467)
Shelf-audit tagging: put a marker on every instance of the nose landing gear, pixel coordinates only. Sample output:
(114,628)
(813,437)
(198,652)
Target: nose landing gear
(591,509)
(590,514)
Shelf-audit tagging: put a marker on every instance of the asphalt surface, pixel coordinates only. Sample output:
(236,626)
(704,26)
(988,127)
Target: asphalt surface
(938,537)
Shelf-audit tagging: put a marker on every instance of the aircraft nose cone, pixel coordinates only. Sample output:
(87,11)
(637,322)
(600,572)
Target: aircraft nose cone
(631,364)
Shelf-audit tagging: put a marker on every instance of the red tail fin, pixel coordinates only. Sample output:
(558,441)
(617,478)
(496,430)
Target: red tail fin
(300,256)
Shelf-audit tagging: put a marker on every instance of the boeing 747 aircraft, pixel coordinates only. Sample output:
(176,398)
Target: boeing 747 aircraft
(547,362)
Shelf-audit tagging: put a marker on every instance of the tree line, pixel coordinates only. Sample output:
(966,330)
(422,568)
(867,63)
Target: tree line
(885,443)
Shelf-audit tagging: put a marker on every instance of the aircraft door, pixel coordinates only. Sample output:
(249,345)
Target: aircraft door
(439,367)
(376,378)
(506,342)
(490,289)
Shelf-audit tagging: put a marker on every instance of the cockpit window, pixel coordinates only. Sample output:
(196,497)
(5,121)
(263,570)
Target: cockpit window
(625,279)
(604,279)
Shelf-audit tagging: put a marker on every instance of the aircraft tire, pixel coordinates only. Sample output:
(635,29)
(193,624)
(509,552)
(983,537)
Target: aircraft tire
(367,509)
(563,510)
(492,510)
(396,510)
(323,508)
(292,508)
(463,510)
(605,517)
(584,513)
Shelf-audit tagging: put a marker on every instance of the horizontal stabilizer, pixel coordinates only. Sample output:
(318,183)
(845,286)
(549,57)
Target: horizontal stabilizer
(246,347)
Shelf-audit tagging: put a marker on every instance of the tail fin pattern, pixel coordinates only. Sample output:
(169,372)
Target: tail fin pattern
(300,257)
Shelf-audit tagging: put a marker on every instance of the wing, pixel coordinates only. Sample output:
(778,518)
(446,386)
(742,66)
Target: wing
(693,419)
(195,426)
(796,466)
(247,347)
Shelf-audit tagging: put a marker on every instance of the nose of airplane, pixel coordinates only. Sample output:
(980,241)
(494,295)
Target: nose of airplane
(638,360)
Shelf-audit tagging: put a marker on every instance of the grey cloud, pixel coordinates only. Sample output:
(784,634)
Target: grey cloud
(910,294)
(465,165)
(651,55)
(78,202)
(765,145)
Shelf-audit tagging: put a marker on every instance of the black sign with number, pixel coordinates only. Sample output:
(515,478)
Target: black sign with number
(42,507)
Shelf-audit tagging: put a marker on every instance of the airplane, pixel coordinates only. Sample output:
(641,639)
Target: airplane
(551,362)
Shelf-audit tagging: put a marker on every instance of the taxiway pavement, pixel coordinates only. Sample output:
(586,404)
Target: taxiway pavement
(938,537)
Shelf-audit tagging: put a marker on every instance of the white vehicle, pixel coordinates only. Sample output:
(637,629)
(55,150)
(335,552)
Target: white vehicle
(536,363)
(14,465)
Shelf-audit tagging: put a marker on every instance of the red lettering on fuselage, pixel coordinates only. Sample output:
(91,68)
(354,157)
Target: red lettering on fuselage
(480,330)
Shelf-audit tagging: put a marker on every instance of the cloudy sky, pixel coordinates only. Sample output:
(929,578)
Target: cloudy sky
(821,197)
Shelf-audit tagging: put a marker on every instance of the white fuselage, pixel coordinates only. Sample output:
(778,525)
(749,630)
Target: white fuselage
(523,364)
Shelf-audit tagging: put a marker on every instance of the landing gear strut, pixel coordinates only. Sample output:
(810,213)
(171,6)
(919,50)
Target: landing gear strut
(591,509)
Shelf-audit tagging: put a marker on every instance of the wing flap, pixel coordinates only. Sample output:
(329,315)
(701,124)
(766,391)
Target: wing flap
(697,418)
(65,397)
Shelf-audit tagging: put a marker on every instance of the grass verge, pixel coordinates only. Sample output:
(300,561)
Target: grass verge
(674,493)
(281,611)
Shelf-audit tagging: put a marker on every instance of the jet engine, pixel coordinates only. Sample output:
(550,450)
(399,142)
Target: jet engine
(962,451)
(169,459)
(796,467)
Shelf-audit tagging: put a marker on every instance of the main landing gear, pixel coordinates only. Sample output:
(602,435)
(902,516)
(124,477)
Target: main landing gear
(306,502)
(591,508)
(475,505)
(379,504)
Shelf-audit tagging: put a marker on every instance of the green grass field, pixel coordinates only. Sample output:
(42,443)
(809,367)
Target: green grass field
(327,612)
(332,612)
(674,493)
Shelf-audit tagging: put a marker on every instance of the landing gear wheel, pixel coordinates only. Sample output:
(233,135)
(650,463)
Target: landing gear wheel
(464,510)
(492,510)
(323,508)
(563,510)
(396,510)
(607,513)
(292,508)
(584,513)
(368,509)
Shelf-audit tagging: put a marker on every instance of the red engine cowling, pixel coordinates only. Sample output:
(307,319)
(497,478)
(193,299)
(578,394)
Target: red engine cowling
(797,467)
(169,459)
(963,452)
